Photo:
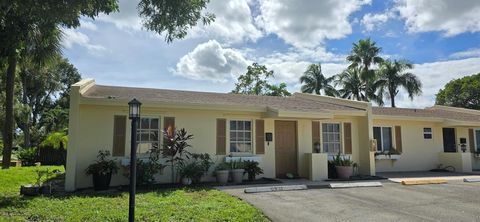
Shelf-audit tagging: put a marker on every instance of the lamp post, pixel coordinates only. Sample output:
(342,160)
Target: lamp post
(134,115)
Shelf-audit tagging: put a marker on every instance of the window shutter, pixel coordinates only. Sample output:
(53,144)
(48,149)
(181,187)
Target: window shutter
(221,136)
(315,134)
(347,137)
(398,138)
(259,136)
(471,140)
(119,131)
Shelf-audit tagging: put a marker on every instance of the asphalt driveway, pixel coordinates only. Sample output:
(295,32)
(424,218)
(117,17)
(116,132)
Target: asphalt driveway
(455,201)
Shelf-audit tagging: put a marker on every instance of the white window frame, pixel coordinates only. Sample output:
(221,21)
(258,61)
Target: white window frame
(229,141)
(477,142)
(427,133)
(392,132)
(139,129)
(340,128)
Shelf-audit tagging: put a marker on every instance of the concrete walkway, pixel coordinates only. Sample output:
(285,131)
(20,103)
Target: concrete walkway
(425,175)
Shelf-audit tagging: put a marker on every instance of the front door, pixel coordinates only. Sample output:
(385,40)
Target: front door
(285,148)
(449,140)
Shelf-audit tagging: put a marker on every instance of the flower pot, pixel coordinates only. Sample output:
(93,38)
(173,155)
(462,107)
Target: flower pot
(344,172)
(186,181)
(222,176)
(30,190)
(101,181)
(237,175)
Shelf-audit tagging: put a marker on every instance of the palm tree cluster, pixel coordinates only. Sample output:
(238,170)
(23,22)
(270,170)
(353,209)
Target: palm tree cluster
(369,77)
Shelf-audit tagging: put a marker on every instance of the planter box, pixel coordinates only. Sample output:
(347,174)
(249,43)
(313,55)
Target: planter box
(387,157)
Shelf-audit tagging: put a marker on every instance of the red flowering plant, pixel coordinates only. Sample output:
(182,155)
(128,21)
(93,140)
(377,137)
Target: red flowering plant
(175,144)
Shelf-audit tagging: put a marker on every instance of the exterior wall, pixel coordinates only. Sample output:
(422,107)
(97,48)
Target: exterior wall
(418,154)
(317,165)
(95,133)
(460,161)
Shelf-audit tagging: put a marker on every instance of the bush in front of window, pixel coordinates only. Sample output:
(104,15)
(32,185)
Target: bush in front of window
(175,144)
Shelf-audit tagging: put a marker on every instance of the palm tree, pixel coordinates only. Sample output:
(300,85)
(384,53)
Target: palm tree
(313,80)
(364,54)
(353,87)
(392,76)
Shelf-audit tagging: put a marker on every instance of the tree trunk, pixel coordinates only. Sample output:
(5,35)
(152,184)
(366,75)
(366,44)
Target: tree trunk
(8,129)
(392,100)
(26,129)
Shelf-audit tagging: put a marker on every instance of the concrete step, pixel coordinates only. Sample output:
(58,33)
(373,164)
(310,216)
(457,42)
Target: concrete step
(275,188)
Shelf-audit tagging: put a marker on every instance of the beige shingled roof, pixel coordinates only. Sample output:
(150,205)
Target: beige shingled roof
(433,112)
(292,103)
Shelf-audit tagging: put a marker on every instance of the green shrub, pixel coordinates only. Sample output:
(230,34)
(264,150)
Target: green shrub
(28,156)
(252,169)
(103,165)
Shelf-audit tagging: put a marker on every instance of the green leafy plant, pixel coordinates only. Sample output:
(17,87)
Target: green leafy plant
(43,175)
(340,160)
(175,147)
(147,169)
(103,166)
(205,162)
(28,156)
(57,140)
(252,169)
(236,164)
(223,166)
(192,170)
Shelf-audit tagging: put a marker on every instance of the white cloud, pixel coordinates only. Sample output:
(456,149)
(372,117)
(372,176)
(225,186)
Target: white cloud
(127,19)
(233,22)
(370,21)
(210,61)
(473,52)
(434,76)
(307,23)
(73,37)
(88,25)
(447,16)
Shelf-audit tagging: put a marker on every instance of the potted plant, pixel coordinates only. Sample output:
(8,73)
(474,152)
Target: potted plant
(189,172)
(252,169)
(236,168)
(343,166)
(102,170)
(221,172)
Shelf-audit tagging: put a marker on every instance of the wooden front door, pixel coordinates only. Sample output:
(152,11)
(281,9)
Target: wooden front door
(285,148)
(449,144)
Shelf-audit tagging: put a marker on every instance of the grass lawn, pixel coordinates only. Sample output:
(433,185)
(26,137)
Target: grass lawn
(162,205)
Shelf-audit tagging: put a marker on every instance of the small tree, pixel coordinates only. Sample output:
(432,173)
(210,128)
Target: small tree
(463,92)
(175,146)
(255,82)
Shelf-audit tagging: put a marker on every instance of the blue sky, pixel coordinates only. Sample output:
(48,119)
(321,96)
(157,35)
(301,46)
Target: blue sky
(441,37)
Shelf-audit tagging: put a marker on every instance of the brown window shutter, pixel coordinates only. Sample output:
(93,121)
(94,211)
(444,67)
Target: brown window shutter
(471,140)
(315,134)
(347,137)
(119,131)
(259,136)
(221,136)
(398,138)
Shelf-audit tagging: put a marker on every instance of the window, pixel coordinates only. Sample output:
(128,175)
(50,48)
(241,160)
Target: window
(331,137)
(240,136)
(147,134)
(383,135)
(427,133)
(477,140)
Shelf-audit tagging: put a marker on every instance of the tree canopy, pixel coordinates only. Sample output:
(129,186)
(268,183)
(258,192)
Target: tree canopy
(463,92)
(313,80)
(255,82)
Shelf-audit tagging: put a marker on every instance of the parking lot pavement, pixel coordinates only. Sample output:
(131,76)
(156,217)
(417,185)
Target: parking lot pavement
(455,201)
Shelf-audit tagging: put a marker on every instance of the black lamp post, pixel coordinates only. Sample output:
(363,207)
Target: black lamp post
(134,115)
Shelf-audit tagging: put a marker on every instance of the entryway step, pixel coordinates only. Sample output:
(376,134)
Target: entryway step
(275,188)
(357,184)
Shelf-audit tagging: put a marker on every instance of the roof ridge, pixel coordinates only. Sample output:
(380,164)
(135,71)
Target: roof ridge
(333,100)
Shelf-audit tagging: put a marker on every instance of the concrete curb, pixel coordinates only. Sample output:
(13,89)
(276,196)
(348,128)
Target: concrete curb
(471,180)
(424,182)
(353,185)
(275,188)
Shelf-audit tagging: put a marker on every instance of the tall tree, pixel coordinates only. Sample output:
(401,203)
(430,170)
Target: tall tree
(352,85)
(313,80)
(20,19)
(363,56)
(392,77)
(255,82)
(463,92)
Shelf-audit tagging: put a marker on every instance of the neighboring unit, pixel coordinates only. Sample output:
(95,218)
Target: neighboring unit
(232,126)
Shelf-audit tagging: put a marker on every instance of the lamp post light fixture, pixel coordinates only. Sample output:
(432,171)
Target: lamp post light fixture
(134,115)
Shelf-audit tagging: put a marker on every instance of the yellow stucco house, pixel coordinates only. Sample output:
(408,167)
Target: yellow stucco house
(234,126)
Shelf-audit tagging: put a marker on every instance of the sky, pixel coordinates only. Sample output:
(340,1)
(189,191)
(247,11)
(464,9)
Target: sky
(440,37)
